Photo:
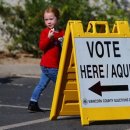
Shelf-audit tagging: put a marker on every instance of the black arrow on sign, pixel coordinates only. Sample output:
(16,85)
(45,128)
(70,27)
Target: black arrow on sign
(98,89)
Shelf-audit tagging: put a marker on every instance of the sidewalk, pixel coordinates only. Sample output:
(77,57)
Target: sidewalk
(32,70)
(21,67)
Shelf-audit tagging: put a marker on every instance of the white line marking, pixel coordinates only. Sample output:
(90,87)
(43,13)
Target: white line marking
(26,75)
(23,124)
(28,122)
(18,85)
(13,106)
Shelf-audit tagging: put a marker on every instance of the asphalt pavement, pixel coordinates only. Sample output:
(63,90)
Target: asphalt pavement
(17,82)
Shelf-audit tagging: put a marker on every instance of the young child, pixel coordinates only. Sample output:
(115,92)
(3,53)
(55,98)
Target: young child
(50,44)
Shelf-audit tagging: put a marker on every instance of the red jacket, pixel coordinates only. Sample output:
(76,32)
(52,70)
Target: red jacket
(51,48)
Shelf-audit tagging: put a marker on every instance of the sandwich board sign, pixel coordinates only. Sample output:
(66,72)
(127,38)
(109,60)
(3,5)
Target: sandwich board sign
(93,81)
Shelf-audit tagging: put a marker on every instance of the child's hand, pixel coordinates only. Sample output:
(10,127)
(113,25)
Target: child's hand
(51,33)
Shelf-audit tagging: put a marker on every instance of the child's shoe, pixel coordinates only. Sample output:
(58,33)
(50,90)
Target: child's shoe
(33,107)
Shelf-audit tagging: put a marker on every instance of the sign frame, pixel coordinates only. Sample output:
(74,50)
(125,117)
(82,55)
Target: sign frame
(66,95)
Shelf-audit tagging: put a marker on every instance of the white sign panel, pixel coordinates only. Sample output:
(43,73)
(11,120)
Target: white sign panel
(103,71)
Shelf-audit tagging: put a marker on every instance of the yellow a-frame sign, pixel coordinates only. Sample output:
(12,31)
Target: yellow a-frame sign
(94,73)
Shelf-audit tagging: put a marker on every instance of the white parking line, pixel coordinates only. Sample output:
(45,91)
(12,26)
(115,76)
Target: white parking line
(24,124)
(5,127)
(27,76)
(13,106)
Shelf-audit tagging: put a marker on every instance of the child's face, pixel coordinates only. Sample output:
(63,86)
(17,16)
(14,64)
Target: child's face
(50,19)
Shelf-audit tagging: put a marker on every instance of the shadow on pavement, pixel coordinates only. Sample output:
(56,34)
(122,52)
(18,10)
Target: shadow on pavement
(5,80)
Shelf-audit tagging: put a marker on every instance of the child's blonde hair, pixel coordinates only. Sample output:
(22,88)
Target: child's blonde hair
(53,10)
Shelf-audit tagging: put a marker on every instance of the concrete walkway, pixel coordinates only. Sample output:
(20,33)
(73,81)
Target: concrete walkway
(31,70)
